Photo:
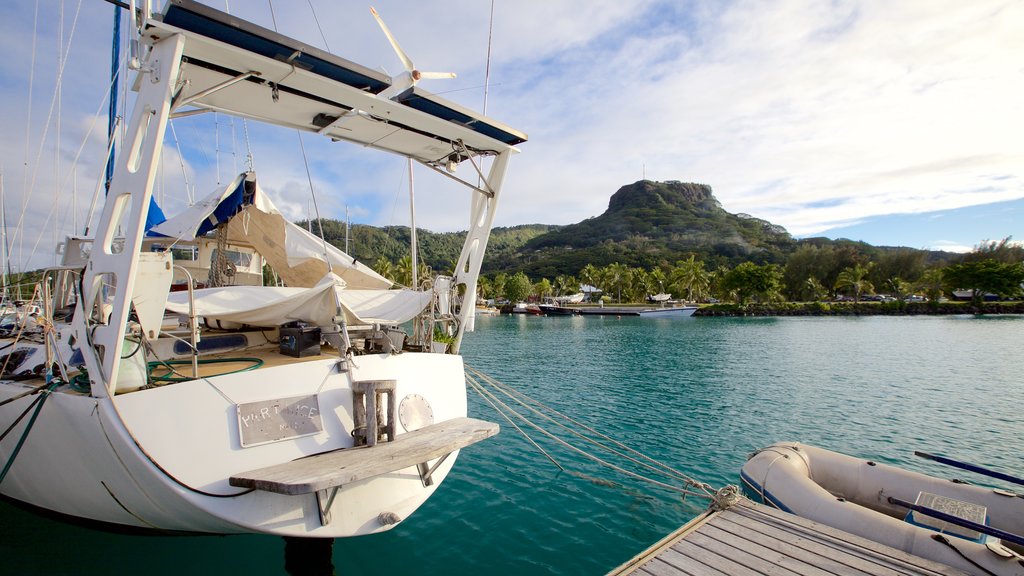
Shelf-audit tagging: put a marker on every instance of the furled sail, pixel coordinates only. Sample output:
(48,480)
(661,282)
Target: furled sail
(272,306)
(299,258)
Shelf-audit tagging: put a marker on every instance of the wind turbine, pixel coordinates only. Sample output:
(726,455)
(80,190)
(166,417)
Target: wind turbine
(412,75)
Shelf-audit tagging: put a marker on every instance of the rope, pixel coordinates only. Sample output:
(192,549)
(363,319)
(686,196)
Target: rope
(726,497)
(650,462)
(943,540)
(703,490)
(178,377)
(485,395)
(38,403)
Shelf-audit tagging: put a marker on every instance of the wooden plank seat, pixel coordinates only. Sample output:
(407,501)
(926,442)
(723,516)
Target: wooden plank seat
(340,467)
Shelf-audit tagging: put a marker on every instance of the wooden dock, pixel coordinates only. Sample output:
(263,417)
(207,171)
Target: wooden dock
(750,539)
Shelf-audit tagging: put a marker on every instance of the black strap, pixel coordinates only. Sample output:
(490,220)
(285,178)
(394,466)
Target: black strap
(944,540)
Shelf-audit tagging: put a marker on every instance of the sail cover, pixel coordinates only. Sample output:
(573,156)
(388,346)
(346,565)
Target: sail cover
(300,258)
(271,306)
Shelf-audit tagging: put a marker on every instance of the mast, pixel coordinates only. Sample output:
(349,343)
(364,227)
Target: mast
(3,239)
(115,56)
(412,218)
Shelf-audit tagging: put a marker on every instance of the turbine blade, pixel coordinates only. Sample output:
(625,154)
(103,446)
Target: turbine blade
(409,66)
(437,75)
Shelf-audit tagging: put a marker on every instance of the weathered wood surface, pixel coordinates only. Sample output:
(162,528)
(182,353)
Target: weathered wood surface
(324,471)
(751,539)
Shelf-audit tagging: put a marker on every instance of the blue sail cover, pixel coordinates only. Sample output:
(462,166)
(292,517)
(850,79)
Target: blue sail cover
(155,215)
(231,202)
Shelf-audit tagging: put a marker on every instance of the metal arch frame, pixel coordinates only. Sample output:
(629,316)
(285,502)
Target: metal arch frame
(467,269)
(130,191)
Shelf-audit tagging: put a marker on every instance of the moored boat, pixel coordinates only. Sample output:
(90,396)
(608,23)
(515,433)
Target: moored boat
(245,421)
(933,518)
(668,312)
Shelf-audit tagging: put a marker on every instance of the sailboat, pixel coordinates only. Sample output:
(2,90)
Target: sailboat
(316,408)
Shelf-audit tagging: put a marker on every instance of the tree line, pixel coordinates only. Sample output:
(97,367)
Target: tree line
(811,273)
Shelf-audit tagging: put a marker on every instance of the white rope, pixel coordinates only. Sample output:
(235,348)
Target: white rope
(46,128)
(67,178)
(705,490)
(488,397)
(651,464)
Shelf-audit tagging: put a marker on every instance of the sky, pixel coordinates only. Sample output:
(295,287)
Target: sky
(896,123)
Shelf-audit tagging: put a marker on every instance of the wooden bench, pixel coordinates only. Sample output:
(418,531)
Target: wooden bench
(340,467)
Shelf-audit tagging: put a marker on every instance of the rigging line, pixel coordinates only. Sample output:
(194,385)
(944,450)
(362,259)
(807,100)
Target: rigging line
(39,401)
(479,390)
(707,492)
(53,100)
(28,114)
(487,69)
(181,162)
(67,178)
(653,465)
(250,161)
(317,20)
(35,169)
(234,146)
(316,208)
(59,95)
(273,18)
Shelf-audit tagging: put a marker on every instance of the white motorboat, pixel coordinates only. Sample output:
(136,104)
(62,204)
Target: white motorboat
(668,312)
(309,409)
(969,527)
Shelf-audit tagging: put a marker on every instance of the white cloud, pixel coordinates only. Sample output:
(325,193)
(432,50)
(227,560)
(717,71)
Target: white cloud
(811,115)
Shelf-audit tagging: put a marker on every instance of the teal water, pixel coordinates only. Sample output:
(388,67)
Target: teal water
(698,393)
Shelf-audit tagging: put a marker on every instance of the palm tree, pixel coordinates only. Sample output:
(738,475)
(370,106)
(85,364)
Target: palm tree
(385,268)
(855,278)
(614,277)
(689,276)
(483,288)
(814,290)
(898,286)
(932,283)
(403,271)
(542,288)
(638,284)
(589,275)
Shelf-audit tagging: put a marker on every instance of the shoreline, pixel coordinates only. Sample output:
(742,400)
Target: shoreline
(861,309)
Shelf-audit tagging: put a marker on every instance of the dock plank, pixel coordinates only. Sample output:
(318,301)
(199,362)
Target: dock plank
(331,469)
(818,563)
(768,553)
(752,539)
(880,559)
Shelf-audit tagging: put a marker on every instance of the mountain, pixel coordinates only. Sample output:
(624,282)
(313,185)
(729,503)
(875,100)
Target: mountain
(439,250)
(649,223)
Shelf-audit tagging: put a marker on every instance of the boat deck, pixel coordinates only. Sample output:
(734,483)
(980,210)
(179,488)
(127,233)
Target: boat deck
(750,539)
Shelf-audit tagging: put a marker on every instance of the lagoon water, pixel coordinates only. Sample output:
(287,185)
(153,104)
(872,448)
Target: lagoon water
(698,393)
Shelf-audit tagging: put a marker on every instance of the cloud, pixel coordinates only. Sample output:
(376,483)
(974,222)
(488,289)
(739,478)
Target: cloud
(811,115)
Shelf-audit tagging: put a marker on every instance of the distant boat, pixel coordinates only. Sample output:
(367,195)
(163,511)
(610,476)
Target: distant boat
(673,312)
(893,506)
(556,310)
(487,311)
(662,297)
(570,299)
(524,308)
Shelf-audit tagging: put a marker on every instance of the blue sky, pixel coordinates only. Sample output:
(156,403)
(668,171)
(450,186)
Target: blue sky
(896,123)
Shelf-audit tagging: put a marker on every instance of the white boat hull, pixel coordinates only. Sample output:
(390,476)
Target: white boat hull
(852,495)
(677,312)
(160,459)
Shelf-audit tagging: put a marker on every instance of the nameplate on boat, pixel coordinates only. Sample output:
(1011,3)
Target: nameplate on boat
(269,421)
